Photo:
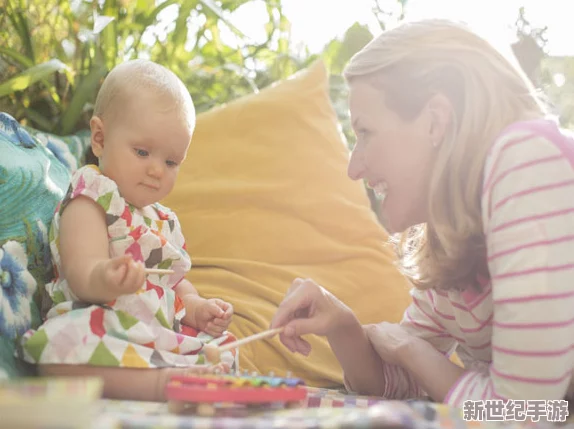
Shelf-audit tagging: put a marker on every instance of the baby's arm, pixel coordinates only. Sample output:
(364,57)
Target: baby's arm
(209,315)
(84,251)
(136,384)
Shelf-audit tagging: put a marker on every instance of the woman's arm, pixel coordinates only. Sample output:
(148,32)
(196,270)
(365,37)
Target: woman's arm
(431,370)
(416,352)
(360,362)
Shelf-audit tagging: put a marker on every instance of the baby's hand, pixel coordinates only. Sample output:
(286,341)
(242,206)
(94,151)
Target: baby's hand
(122,275)
(213,316)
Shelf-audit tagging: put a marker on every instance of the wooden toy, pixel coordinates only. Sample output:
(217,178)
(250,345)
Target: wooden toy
(212,352)
(202,394)
(158,271)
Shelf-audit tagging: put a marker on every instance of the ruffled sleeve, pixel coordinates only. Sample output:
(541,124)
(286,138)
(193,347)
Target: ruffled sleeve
(89,182)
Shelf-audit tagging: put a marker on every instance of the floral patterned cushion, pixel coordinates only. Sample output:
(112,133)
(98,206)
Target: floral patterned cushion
(35,170)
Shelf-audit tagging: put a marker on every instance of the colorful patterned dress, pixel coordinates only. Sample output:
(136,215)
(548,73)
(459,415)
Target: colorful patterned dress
(142,330)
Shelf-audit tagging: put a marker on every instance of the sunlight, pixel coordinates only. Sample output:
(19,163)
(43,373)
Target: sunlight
(559,80)
(316,22)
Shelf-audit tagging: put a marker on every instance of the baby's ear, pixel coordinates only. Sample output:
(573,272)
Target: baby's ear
(97,129)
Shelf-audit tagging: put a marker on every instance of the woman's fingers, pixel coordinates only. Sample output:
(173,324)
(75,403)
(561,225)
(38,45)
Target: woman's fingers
(302,346)
(310,325)
(295,302)
(294,285)
(289,342)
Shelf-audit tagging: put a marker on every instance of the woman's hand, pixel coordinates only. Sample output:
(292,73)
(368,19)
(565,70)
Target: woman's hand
(390,340)
(309,309)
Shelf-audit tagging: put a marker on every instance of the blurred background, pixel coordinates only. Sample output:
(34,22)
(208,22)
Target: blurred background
(55,53)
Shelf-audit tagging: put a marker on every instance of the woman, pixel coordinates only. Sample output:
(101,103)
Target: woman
(480,187)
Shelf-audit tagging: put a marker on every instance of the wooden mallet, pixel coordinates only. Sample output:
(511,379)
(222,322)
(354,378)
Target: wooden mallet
(213,352)
(158,271)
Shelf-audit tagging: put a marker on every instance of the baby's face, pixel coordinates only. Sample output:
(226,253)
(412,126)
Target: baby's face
(143,151)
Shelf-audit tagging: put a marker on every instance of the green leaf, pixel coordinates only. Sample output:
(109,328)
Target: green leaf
(179,35)
(22,59)
(330,54)
(20,23)
(152,16)
(30,76)
(39,119)
(212,6)
(356,37)
(109,34)
(83,94)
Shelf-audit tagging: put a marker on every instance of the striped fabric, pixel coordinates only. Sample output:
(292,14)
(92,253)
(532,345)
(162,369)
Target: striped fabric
(516,336)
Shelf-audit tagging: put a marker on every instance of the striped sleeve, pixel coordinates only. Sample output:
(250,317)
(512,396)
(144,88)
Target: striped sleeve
(421,321)
(528,211)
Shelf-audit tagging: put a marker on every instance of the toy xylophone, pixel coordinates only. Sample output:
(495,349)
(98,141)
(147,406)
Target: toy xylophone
(202,393)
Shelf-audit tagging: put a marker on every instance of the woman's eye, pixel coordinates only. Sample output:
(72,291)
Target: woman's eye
(171,163)
(141,152)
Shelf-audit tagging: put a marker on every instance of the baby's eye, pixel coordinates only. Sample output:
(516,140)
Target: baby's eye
(141,152)
(171,163)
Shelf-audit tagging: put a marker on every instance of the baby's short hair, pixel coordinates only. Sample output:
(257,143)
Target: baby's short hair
(136,77)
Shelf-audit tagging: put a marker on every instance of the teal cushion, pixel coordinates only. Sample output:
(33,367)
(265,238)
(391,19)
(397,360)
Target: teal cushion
(35,170)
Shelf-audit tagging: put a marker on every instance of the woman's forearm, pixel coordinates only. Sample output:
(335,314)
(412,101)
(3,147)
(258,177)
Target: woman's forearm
(361,364)
(432,371)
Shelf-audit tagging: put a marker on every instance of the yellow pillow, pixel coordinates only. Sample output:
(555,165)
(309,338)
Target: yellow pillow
(263,198)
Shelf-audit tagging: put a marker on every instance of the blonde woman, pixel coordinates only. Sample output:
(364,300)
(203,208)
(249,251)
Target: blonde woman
(479,187)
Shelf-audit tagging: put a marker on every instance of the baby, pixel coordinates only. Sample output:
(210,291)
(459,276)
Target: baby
(109,318)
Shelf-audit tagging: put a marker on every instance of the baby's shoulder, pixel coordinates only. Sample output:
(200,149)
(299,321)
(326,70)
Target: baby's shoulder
(88,181)
(91,176)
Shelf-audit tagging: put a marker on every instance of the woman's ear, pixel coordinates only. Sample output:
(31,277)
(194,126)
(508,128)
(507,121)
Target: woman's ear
(97,129)
(440,109)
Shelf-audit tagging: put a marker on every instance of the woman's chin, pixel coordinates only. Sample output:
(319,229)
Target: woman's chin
(386,218)
(392,220)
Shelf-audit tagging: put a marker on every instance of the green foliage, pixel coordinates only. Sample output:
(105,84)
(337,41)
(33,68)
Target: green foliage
(336,55)
(55,53)
(557,81)
(552,75)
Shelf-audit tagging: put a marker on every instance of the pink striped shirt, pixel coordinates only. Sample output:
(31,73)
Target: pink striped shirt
(516,337)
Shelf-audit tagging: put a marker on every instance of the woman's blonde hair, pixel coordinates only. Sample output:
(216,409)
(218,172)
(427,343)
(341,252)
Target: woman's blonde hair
(410,64)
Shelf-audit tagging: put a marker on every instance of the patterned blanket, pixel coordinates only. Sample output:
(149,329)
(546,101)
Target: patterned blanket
(321,410)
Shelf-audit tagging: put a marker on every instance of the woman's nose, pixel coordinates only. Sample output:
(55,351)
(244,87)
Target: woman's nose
(356,167)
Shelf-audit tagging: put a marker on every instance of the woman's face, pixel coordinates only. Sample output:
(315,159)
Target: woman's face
(394,156)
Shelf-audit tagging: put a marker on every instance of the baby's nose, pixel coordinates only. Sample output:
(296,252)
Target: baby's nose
(155,169)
